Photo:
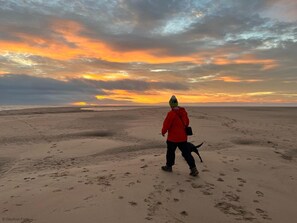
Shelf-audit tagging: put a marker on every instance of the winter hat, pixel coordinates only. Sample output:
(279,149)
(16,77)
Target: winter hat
(173,101)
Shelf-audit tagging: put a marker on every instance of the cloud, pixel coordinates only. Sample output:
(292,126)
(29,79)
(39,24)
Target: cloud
(136,85)
(24,89)
(284,10)
(161,45)
(73,27)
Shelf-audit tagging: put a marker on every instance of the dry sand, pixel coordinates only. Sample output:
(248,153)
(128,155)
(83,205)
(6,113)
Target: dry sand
(63,165)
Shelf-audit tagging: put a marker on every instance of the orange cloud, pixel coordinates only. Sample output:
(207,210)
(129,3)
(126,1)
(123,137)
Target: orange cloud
(80,103)
(228,79)
(246,59)
(84,47)
(107,76)
(235,79)
(136,97)
(81,46)
(260,93)
(157,97)
(151,97)
(3,72)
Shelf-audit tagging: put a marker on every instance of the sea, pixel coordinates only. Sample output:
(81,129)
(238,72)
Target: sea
(20,107)
(91,108)
(129,107)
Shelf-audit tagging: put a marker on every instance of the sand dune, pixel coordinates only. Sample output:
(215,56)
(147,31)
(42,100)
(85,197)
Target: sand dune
(67,165)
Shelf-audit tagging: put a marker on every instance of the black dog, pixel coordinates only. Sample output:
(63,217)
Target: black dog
(194,149)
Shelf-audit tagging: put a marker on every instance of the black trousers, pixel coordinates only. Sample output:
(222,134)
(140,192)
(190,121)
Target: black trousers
(186,153)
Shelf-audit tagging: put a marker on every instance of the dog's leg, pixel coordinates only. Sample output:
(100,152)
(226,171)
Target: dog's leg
(200,157)
(197,152)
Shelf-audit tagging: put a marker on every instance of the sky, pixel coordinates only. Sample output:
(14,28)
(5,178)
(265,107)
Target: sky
(122,52)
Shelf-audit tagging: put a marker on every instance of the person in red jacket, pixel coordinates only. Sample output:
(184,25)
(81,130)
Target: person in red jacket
(174,124)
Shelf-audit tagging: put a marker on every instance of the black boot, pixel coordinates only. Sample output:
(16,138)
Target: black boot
(194,172)
(167,168)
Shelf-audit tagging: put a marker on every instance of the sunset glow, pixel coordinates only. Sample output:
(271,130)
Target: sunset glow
(123,52)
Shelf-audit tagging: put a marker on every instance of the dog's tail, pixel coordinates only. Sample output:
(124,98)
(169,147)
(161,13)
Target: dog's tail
(195,150)
(196,147)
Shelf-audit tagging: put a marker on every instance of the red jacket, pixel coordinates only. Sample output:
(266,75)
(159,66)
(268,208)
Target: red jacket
(175,126)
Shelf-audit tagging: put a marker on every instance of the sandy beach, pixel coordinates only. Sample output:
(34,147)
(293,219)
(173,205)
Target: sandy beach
(68,165)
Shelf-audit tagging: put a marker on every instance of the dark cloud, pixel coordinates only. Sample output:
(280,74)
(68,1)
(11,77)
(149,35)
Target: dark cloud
(22,26)
(24,89)
(136,85)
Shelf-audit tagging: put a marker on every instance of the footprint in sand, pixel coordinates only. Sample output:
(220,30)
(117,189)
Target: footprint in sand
(242,181)
(220,179)
(263,214)
(88,197)
(132,203)
(236,170)
(184,213)
(58,190)
(169,189)
(260,194)
(236,210)
(259,210)
(230,196)
(27,220)
(206,188)
(85,170)
(130,184)
(152,201)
